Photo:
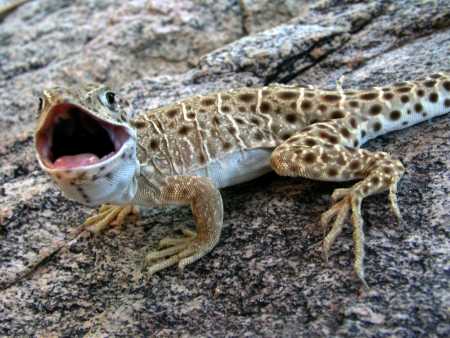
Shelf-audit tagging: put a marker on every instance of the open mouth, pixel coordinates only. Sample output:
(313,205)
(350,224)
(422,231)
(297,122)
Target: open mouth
(72,138)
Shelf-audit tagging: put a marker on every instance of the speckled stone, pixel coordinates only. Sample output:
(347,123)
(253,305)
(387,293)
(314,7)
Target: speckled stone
(266,277)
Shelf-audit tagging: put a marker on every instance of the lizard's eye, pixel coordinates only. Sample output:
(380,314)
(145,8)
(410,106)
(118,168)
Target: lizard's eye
(108,99)
(41,104)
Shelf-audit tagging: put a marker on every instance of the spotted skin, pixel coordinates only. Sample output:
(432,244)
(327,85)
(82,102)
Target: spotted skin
(191,148)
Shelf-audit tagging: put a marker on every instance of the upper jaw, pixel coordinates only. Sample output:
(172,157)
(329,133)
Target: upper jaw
(70,137)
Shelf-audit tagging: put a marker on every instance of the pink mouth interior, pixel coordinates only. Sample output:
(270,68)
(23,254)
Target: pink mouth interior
(72,138)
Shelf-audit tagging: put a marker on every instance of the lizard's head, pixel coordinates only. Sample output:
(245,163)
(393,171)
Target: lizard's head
(85,142)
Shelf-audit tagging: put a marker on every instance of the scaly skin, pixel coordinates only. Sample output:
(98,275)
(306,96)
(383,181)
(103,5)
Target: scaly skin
(186,151)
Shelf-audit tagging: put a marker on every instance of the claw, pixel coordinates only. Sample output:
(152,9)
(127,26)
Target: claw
(393,202)
(181,251)
(340,210)
(108,215)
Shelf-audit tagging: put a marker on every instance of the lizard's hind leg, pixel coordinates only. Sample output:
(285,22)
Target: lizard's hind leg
(325,151)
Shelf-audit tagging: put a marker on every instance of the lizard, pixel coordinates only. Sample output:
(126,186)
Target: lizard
(183,153)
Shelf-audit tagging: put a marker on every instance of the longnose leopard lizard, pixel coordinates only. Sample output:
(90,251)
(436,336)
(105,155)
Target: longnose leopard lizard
(183,153)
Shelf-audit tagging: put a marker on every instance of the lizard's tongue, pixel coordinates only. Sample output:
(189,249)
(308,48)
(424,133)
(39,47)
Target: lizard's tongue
(75,161)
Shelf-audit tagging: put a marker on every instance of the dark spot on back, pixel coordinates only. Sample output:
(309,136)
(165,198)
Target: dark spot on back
(226,109)
(309,94)
(232,130)
(337,114)
(341,160)
(403,90)
(395,115)
(139,124)
(355,164)
(353,123)
(202,158)
(331,138)
(332,172)
(353,104)
(310,142)
(429,83)
(375,109)
(259,136)
(369,96)
(190,115)
(247,97)
(255,121)
(226,145)
(322,108)
(447,103)
(309,158)
(216,120)
(404,98)
(208,101)
(325,158)
(154,144)
(446,85)
(330,97)
(265,107)
(375,180)
(388,96)
(291,118)
(184,130)
(239,120)
(287,95)
(420,92)
(376,126)
(285,136)
(433,97)
(418,107)
(345,132)
(306,105)
(172,113)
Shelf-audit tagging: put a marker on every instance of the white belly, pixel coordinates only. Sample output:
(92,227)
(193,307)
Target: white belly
(237,167)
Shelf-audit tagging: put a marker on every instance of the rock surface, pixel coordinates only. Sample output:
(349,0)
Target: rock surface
(266,277)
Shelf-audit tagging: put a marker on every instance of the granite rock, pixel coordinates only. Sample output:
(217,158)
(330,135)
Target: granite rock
(266,277)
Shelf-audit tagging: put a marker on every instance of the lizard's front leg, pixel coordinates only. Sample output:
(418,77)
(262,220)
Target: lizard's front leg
(206,204)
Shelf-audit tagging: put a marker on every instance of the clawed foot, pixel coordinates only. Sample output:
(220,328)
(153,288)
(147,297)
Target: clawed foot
(349,200)
(108,215)
(181,251)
